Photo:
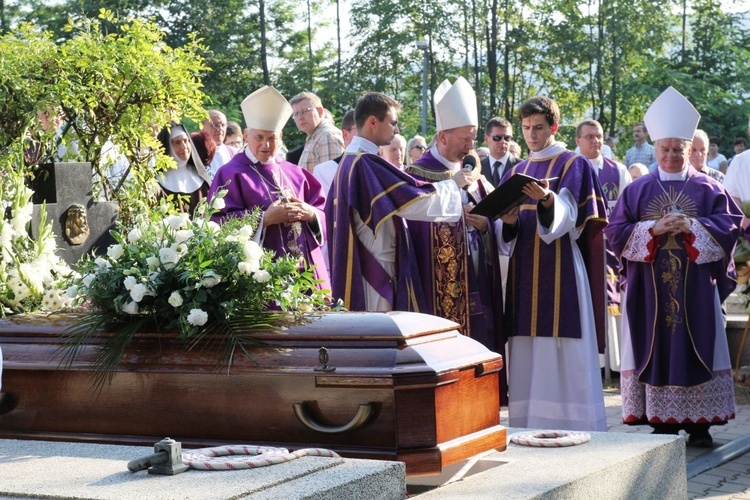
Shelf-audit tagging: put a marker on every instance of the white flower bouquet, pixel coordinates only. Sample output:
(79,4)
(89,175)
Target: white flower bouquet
(29,269)
(193,277)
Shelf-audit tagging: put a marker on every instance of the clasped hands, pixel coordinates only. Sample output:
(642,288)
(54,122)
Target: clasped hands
(672,223)
(293,210)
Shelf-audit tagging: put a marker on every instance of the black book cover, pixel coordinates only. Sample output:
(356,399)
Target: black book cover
(507,195)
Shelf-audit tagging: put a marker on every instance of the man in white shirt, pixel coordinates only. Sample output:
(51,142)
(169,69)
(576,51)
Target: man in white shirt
(216,128)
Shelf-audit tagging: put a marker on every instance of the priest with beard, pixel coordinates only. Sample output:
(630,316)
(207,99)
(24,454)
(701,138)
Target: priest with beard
(674,231)
(290,198)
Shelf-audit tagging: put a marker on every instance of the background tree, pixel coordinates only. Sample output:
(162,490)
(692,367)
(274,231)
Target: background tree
(112,81)
(598,59)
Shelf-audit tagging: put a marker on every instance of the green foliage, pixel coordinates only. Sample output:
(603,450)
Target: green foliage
(601,59)
(112,80)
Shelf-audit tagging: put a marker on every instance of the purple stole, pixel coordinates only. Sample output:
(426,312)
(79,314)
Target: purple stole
(670,301)
(376,190)
(609,177)
(542,298)
(249,186)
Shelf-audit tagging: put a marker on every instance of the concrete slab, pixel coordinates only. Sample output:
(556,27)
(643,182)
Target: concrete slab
(72,471)
(611,465)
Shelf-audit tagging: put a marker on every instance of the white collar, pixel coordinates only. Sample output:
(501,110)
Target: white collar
(597,162)
(452,166)
(254,160)
(503,160)
(553,149)
(359,143)
(673,176)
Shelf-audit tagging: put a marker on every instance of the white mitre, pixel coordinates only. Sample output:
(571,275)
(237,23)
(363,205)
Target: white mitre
(671,116)
(266,109)
(455,105)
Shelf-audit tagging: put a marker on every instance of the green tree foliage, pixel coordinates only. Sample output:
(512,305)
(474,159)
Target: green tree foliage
(112,81)
(603,59)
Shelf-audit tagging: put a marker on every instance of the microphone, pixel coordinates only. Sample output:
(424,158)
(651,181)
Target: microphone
(469,162)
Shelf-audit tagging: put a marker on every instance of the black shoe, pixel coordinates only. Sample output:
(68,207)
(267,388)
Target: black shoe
(701,440)
(665,429)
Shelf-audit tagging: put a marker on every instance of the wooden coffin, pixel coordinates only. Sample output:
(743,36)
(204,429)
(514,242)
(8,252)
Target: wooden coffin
(396,386)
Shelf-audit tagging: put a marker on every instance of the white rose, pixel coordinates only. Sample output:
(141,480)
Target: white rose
(218,203)
(211,279)
(129,282)
(175,221)
(134,235)
(246,232)
(244,268)
(102,263)
(130,308)
(138,291)
(153,263)
(114,252)
(262,276)
(167,256)
(183,235)
(88,279)
(197,317)
(175,300)
(252,251)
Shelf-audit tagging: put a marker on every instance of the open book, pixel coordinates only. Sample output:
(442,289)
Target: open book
(507,195)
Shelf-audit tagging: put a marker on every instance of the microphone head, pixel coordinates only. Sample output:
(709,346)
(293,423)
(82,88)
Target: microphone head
(469,161)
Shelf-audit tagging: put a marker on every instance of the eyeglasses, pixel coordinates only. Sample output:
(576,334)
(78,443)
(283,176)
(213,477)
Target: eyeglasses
(419,147)
(498,138)
(218,125)
(301,112)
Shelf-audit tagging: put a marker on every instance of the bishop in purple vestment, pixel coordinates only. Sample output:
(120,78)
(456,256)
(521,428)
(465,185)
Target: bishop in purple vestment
(675,231)
(291,199)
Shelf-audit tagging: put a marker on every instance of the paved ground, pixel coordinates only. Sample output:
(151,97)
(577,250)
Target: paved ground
(728,481)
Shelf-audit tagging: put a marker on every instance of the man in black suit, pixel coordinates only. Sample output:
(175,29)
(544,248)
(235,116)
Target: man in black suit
(498,133)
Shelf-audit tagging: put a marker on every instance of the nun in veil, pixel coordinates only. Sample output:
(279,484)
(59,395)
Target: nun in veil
(188,183)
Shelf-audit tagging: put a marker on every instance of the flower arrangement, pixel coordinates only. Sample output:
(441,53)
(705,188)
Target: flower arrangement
(30,271)
(190,276)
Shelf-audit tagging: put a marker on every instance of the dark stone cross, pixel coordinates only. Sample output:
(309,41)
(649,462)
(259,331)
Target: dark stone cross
(79,223)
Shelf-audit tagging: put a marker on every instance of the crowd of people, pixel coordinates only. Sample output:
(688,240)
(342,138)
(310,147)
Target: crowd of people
(633,259)
(630,259)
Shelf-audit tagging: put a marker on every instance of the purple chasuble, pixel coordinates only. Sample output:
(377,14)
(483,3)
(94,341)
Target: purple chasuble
(251,186)
(536,265)
(455,289)
(377,191)
(670,301)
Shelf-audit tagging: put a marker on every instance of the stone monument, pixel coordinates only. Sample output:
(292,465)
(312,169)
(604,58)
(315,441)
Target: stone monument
(80,223)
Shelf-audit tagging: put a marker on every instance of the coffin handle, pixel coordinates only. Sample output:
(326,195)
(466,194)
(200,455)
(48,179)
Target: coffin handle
(8,402)
(304,415)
